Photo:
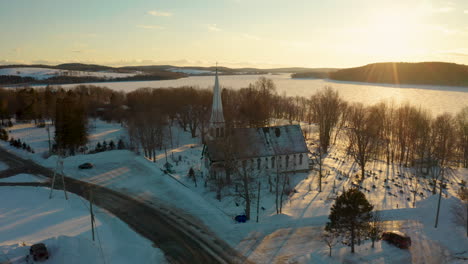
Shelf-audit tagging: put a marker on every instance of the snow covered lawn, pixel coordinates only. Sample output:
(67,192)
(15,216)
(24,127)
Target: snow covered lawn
(22,178)
(27,216)
(286,238)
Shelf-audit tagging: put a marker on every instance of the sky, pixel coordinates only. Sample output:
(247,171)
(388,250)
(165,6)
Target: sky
(234,33)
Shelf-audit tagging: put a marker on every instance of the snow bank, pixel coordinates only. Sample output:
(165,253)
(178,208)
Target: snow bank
(29,217)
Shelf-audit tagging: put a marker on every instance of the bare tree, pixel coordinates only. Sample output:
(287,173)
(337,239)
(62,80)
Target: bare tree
(375,227)
(462,135)
(362,134)
(331,238)
(327,106)
(460,210)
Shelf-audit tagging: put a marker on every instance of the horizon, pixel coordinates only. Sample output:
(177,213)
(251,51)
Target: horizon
(235,33)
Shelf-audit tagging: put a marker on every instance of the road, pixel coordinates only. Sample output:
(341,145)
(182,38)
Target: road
(181,238)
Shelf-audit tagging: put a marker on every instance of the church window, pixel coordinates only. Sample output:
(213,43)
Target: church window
(272,162)
(259,163)
(217,132)
(287,161)
(266,163)
(300,159)
(279,162)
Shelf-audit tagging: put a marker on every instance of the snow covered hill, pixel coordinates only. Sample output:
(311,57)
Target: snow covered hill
(45,73)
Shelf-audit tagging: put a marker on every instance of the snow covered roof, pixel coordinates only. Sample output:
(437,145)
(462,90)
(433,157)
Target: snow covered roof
(259,142)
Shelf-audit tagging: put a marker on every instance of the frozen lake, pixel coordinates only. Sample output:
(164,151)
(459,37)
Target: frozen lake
(438,99)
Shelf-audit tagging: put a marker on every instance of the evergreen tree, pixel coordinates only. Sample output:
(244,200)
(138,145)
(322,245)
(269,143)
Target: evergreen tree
(70,123)
(120,144)
(98,147)
(104,145)
(350,215)
(111,145)
(3,135)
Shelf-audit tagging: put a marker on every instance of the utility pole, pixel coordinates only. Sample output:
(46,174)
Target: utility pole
(440,197)
(48,133)
(59,171)
(91,211)
(258,199)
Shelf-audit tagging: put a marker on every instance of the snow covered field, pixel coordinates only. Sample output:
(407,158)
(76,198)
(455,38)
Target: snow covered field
(27,216)
(23,178)
(292,237)
(45,73)
(190,71)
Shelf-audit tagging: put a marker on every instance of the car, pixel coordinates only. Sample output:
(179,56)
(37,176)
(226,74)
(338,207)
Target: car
(39,252)
(86,165)
(397,238)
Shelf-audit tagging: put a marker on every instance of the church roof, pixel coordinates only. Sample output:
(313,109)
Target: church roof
(259,142)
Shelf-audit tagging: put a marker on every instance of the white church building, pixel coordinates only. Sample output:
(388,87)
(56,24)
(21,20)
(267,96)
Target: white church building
(266,149)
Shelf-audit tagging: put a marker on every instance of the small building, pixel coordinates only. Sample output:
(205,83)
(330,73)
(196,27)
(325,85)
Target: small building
(265,149)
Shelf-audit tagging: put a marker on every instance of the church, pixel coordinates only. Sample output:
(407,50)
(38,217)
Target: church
(265,149)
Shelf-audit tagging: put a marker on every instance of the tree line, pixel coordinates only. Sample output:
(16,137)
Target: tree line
(403,134)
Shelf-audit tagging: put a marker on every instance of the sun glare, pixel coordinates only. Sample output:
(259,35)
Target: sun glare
(390,34)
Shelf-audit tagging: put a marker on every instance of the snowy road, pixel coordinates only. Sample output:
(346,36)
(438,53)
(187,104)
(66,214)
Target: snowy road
(181,239)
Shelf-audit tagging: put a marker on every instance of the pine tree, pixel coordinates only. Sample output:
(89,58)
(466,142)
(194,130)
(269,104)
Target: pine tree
(350,215)
(120,144)
(111,145)
(98,147)
(104,145)
(70,123)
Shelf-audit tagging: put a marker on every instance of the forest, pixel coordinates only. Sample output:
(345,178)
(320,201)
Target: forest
(430,73)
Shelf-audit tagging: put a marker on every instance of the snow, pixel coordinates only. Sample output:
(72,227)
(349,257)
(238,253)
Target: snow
(45,73)
(190,71)
(290,237)
(38,138)
(23,177)
(3,166)
(28,216)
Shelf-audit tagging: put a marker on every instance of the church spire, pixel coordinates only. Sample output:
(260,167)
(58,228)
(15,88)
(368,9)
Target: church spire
(217,117)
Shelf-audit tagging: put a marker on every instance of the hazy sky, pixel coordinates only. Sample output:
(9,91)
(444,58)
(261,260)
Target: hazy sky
(236,33)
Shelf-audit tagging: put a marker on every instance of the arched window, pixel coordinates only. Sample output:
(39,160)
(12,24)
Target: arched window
(294,160)
(272,162)
(217,132)
(266,163)
(259,163)
(300,159)
(279,162)
(287,161)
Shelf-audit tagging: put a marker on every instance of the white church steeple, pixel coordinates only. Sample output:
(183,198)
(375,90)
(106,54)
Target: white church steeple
(217,117)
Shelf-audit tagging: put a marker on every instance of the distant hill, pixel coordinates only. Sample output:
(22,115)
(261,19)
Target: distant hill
(429,73)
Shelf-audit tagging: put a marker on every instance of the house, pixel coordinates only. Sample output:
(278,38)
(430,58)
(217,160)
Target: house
(265,149)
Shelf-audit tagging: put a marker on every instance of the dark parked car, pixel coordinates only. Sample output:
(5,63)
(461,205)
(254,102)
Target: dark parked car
(397,238)
(39,252)
(86,165)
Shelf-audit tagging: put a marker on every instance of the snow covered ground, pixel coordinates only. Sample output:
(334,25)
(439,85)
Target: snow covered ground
(23,177)
(3,166)
(45,73)
(291,237)
(189,71)
(27,216)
